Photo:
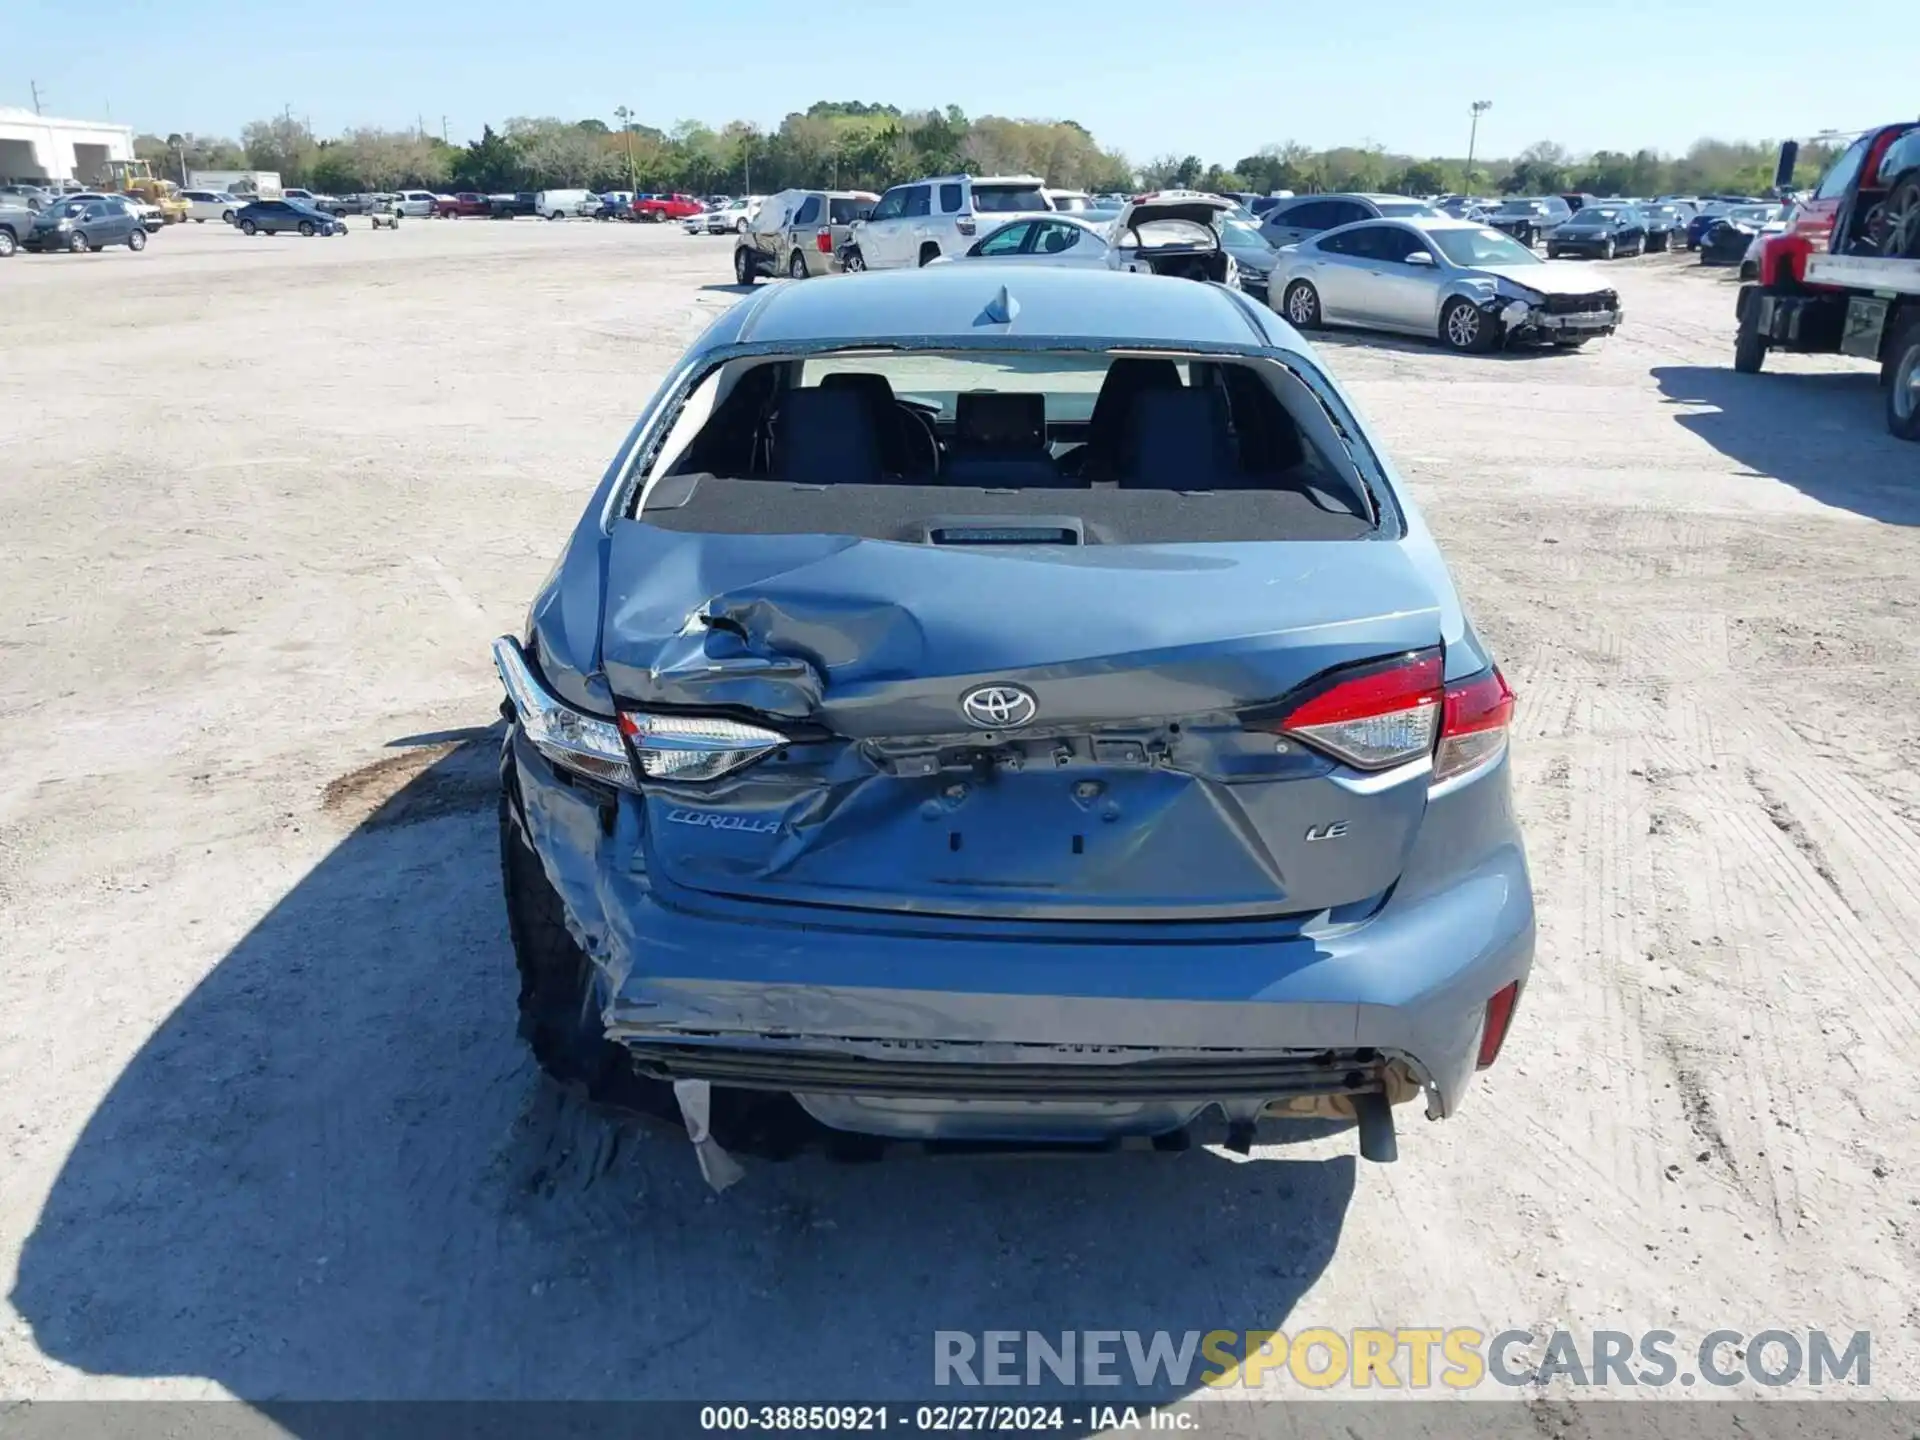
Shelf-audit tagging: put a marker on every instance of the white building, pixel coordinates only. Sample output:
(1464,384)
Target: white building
(39,147)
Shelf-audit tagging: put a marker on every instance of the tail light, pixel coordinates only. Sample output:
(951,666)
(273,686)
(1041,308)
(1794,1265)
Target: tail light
(695,747)
(584,744)
(1473,730)
(1372,716)
(1493,1034)
(965,225)
(823,240)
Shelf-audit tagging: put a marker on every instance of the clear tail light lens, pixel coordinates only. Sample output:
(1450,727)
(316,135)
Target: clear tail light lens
(695,747)
(1372,716)
(584,744)
(1473,730)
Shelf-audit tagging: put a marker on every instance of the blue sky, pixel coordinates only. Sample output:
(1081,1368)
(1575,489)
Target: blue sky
(1141,76)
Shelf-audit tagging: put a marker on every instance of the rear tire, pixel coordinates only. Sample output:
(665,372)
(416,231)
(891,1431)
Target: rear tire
(558,1017)
(1749,348)
(1903,383)
(227,215)
(247,227)
(740,227)
(137,241)
(1302,306)
(1608,250)
(7,245)
(745,271)
(855,263)
(797,267)
(1465,327)
(1902,218)
(306,229)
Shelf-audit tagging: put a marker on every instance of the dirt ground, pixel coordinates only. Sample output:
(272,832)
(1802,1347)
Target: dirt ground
(266,1129)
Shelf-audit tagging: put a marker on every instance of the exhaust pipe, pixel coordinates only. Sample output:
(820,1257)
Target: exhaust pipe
(1377,1140)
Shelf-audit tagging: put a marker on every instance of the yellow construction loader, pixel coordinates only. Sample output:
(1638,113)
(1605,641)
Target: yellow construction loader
(136,178)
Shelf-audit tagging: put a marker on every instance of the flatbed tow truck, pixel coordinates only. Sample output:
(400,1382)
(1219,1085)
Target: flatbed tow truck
(1823,291)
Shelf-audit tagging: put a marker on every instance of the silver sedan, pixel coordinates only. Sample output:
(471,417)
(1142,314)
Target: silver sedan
(1472,286)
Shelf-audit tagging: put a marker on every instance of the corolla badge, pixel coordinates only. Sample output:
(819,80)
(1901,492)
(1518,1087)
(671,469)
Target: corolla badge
(718,820)
(999,707)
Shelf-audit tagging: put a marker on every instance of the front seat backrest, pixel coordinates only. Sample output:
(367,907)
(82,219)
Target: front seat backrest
(826,437)
(1126,380)
(907,446)
(1177,440)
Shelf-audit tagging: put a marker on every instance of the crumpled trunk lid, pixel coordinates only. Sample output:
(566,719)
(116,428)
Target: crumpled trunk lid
(1134,791)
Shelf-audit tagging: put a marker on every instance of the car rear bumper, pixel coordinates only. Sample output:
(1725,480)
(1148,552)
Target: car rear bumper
(914,1027)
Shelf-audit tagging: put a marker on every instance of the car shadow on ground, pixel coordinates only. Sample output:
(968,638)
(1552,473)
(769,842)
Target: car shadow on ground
(332,1172)
(1327,338)
(1824,434)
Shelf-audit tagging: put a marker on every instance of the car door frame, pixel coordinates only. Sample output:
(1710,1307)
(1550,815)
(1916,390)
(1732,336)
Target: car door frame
(1408,294)
(1083,236)
(1332,274)
(1020,251)
(879,233)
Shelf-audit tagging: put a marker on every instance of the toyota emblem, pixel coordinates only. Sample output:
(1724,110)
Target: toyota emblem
(999,707)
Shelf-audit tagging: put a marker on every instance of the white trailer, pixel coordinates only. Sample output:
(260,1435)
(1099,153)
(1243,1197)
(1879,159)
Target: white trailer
(242,183)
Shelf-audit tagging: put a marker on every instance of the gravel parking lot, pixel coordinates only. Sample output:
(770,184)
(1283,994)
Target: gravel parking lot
(265,1126)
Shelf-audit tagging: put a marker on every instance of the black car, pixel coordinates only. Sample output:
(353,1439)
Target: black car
(272,217)
(88,224)
(1727,239)
(512,207)
(1665,224)
(1600,228)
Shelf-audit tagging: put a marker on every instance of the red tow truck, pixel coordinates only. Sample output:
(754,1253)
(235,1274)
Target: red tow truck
(1844,278)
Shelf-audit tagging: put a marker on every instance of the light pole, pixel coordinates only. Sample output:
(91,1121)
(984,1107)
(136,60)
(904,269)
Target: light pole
(1480,107)
(625,117)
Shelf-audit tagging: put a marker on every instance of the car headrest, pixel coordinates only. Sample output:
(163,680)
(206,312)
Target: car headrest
(826,437)
(865,382)
(1177,440)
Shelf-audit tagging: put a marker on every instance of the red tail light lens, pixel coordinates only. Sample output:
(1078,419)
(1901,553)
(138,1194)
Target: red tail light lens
(1473,732)
(823,240)
(1499,1020)
(1371,716)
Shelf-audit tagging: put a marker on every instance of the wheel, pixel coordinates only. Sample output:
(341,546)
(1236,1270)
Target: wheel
(1608,249)
(199,219)
(797,266)
(745,271)
(137,240)
(1467,328)
(1903,387)
(559,1018)
(227,215)
(556,215)
(1900,217)
(1749,347)
(855,262)
(740,227)
(306,228)
(247,227)
(1302,303)
(929,253)
(77,242)
(7,245)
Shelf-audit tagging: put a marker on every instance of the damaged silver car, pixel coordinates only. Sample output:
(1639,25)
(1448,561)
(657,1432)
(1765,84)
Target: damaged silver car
(1471,286)
(1007,709)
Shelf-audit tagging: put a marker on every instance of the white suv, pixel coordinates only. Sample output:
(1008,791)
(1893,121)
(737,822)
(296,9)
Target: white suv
(922,221)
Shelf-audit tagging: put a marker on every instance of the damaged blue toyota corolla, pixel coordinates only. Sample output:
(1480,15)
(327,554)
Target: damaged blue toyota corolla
(1008,709)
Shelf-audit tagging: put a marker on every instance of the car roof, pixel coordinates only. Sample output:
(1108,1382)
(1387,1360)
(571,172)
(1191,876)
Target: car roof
(926,305)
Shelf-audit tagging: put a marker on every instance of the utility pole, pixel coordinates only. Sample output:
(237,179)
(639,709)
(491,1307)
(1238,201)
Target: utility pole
(34,85)
(625,117)
(1480,107)
(443,131)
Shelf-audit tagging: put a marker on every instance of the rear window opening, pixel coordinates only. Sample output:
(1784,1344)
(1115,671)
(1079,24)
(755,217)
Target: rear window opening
(1008,199)
(1028,448)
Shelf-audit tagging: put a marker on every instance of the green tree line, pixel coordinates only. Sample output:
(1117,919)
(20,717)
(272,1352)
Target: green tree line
(851,145)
